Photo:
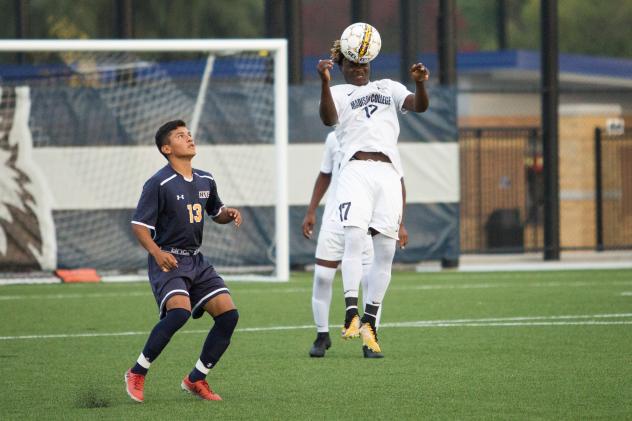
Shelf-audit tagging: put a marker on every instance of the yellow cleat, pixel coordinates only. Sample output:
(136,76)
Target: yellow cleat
(353,330)
(368,338)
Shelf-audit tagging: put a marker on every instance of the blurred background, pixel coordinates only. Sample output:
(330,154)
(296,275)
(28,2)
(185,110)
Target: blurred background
(486,91)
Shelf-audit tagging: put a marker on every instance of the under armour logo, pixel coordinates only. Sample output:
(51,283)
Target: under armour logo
(180,196)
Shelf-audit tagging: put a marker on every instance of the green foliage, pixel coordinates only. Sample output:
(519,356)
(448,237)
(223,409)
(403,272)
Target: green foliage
(585,26)
(7,21)
(151,19)
(556,367)
(198,19)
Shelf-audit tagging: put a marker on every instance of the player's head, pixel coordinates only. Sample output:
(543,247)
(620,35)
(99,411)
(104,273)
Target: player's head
(354,73)
(174,139)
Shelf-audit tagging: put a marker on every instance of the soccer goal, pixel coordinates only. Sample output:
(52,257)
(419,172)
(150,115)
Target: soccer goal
(77,125)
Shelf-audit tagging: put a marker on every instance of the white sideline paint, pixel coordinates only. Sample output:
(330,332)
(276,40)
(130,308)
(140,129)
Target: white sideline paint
(542,266)
(30,281)
(68,296)
(563,320)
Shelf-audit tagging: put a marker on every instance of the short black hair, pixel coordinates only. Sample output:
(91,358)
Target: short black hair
(164,130)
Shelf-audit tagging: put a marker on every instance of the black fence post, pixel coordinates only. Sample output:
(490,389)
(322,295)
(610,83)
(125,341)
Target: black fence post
(22,25)
(408,36)
(598,191)
(549,68)
(446,42)
(360,11)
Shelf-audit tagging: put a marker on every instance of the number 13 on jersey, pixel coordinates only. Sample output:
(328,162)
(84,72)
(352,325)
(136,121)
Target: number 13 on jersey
(195,213)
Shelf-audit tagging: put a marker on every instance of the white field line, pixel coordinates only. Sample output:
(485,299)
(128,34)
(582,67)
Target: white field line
(309,289)
(565,320)
(69,296)
(512,285)
(626,293)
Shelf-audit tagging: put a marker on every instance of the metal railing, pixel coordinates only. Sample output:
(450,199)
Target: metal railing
(501,190)
(613,190)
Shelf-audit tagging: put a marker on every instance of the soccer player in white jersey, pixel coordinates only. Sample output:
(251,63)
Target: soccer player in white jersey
(330,248)
(369,191)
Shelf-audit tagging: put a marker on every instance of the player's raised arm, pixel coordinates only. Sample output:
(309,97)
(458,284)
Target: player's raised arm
(327,109)
(227,215)
(418,102)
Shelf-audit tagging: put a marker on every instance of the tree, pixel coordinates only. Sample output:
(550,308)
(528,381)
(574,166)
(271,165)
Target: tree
(585,26)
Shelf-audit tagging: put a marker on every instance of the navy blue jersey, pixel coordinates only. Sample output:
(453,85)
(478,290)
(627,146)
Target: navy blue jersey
(173,208)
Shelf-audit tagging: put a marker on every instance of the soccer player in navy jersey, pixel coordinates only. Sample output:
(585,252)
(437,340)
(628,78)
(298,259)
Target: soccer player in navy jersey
(168,223)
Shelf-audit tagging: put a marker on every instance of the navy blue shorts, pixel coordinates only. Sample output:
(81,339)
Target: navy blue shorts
(194,277)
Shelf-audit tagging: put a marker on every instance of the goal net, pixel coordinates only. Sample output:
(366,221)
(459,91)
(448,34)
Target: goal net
(77,125)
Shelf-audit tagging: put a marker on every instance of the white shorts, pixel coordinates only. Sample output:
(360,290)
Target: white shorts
(331,247)
(369,195)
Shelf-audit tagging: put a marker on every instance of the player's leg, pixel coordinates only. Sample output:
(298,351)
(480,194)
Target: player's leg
(324,273)
(329,250)
(384,226)
(351,269)
(210,294)
(379,278)
(175,309)
(367,261)
(366,267)
(354,196)
(177,312)
(225,315)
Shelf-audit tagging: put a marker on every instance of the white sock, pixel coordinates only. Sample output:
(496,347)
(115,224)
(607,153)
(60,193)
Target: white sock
(380,272)
(351,266)
(321,296)
(366,268)
(143,361)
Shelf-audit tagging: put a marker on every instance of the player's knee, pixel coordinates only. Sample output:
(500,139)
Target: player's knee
(178,317)
(226,322)
(324,276)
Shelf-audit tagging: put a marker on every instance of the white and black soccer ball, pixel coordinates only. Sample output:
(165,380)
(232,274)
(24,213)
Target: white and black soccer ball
(360,42)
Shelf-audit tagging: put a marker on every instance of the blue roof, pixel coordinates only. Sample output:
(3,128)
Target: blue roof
(486,61)
(386,65)
(530,60)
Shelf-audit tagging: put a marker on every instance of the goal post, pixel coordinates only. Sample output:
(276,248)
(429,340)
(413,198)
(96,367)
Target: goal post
(95,105)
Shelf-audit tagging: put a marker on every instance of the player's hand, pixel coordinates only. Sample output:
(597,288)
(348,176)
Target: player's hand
(419,72)
(166,261)
(323,67)
(308,224)
(235,215)
(403,236)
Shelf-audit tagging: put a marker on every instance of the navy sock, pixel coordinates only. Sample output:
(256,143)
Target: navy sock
(370,312)
(161,335)
(351,304)
(215,344)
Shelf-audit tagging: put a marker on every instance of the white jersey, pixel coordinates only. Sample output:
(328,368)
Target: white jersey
(367,118)
(331,165)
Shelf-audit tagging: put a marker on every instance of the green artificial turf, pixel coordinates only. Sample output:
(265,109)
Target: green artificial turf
(528,345)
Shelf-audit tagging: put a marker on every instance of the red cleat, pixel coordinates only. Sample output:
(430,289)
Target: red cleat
(200,388)
(135,385)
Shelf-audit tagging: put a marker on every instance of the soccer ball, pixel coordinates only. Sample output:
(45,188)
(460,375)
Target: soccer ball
(360,42)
